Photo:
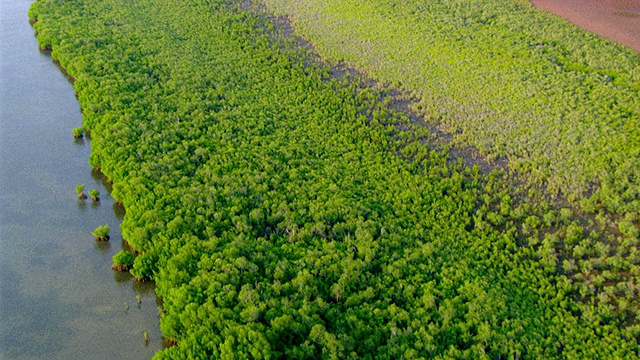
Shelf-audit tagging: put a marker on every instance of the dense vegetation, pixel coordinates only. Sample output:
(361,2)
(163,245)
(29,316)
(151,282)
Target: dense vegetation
(286,213)
(558,102)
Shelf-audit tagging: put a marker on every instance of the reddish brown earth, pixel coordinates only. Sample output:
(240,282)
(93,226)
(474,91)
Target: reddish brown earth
(618,20)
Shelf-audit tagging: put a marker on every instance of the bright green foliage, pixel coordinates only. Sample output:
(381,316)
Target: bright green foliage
(286,214)
(101,233)
(559,103)
(123,260)
(80,192)
(95,194)
(78,132)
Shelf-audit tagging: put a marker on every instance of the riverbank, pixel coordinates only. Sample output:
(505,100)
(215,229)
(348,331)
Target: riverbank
(58,296)
(617,20)
(285,213)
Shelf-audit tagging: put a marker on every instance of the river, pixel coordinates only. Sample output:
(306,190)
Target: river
(59,299)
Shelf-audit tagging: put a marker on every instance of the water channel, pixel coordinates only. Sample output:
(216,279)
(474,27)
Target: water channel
(59,299)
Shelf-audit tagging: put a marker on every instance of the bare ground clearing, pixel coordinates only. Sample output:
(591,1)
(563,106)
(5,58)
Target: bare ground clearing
(617,20)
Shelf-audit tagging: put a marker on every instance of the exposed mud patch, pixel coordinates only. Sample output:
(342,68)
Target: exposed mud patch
(396,100)
(617,20)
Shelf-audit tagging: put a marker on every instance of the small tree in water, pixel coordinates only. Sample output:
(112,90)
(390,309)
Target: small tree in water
(101,233)
(78,132)
(95,194)
(80,192)
(123,260)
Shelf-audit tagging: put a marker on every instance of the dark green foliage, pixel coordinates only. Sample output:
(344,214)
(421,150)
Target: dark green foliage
(287,214)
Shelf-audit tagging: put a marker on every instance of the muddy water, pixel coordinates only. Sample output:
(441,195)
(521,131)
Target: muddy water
(59,299)
(617,20)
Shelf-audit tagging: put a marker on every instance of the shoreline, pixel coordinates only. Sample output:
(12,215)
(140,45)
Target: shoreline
(616,20)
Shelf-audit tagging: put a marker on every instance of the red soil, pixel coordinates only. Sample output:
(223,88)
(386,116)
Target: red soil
(617,20)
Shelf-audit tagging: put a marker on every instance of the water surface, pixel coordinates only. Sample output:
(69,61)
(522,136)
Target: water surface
(58,296)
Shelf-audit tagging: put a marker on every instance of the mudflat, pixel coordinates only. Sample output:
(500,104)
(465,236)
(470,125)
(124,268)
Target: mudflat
(617,20)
